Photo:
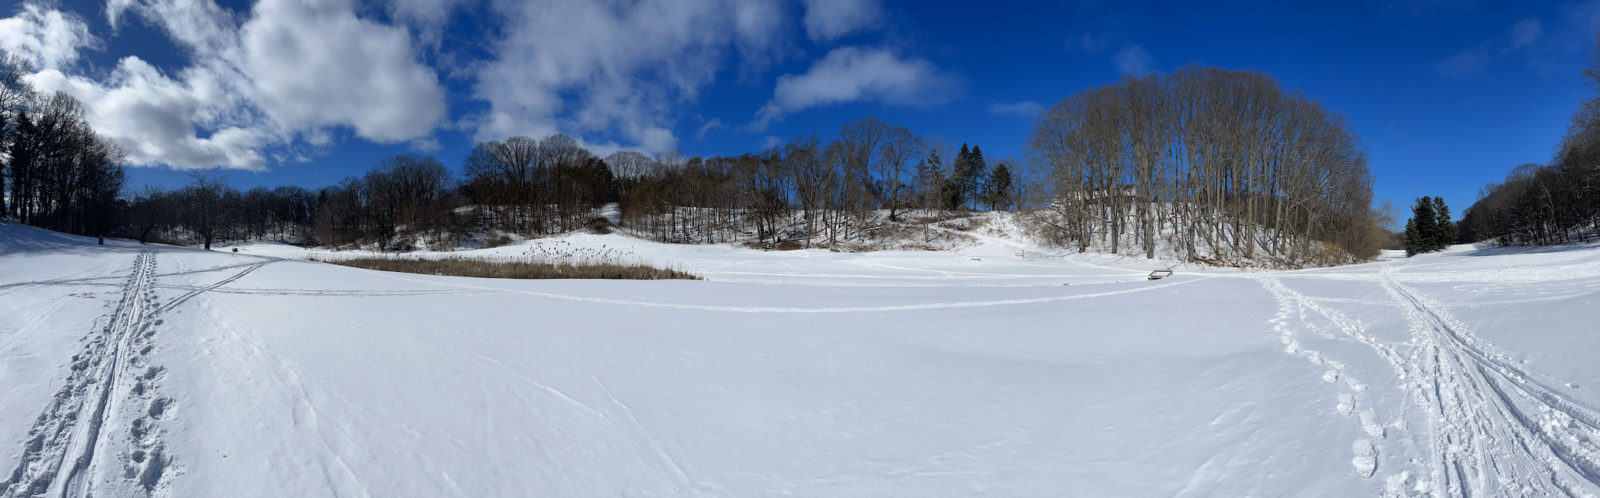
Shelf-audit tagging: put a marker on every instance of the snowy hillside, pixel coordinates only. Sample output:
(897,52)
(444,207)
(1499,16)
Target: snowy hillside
(129,370)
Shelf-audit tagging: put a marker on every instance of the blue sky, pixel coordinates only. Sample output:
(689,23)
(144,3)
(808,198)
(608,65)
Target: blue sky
(1446,96)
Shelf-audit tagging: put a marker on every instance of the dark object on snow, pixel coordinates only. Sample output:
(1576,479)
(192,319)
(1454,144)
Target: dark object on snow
(102,240)
(235,249)
(599,225)
(1160,274)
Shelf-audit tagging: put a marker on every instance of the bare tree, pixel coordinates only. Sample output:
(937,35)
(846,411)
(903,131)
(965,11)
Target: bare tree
(900,146)
(1224,160)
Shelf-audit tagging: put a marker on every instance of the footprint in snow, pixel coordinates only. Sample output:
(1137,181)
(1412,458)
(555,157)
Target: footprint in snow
(1365,460)
(1369,423)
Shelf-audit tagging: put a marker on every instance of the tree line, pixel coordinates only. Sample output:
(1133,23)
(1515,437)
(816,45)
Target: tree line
(806,191)
(1554,203)
(1214,163)
(57,172)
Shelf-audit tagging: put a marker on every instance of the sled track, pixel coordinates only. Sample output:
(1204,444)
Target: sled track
(97,415)
(1496,430)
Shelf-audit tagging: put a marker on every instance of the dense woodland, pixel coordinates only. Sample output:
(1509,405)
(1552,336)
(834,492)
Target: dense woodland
(1555,203)
(1220,166)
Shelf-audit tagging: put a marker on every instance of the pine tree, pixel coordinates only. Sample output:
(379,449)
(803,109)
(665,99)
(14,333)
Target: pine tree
(1422,228)
(972,180)
(955,189)
(1444,230)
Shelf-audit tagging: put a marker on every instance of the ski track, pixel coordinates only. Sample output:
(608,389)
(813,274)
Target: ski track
(1493,427)
(101,434)
(1496,428)
(77,431)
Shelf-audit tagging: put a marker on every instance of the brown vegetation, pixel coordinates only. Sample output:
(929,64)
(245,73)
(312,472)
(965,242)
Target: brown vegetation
(465,267)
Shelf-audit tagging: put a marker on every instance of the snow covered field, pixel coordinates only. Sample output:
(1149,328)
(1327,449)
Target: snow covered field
(129,370)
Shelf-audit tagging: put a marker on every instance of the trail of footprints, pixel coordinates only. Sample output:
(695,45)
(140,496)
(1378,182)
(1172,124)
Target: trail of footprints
(1295,307)
(146,460)
(108,412)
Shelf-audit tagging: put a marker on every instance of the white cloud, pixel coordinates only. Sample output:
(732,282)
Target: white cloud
(712,124)
(1132,59)
(829,20)
(1025,108)
(153,118)
(1525,32)
(47,39)
(617,71)
(771,142)
(277,77)
(319,65)
(426,17)
(853,74)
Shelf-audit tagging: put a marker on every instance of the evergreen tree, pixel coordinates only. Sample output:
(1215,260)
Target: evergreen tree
(1444,230)
(972,178)
(1422,228)
(955,188)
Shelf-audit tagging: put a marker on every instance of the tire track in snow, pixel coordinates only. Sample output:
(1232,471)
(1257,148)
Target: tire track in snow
(1495,428)
(71,439)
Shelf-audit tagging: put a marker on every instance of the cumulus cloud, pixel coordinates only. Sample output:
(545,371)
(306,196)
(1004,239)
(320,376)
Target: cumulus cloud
(282,79)
(828,20)
(426,17)
(153,118)
(1132,59)
(47,39)
(617,72)
(315,64)
(854,74)
(280,75)
(1025,108)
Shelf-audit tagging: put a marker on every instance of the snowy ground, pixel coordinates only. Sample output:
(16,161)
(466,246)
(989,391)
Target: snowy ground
(129,370)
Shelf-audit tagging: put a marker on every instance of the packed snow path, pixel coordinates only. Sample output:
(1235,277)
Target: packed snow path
(143,371)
